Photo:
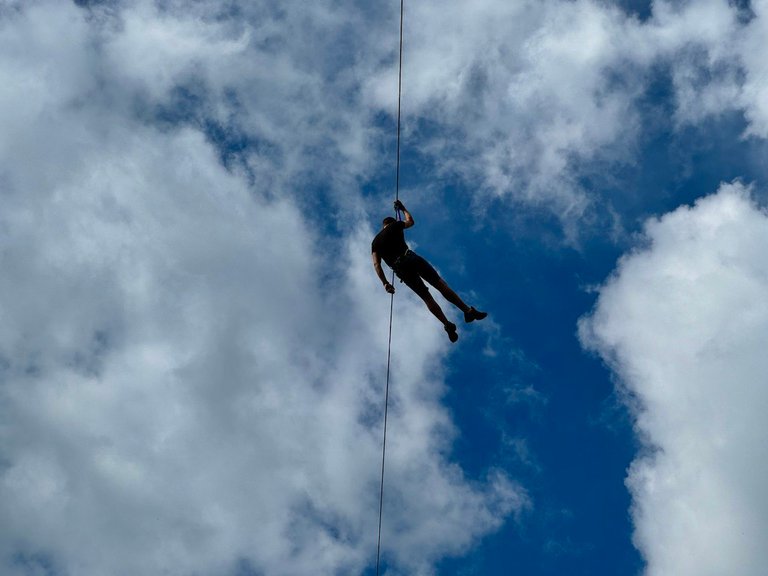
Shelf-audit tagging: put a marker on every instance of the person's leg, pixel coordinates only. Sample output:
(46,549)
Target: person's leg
(415,283)
(450,295)
(434,307)
(424,269)
(470,314)
(428,273)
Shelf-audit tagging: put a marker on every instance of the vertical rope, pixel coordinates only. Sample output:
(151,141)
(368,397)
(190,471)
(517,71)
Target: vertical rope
(392,296)
(384,444)
(399,98)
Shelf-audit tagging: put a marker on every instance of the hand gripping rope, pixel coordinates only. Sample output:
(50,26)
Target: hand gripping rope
(392,296)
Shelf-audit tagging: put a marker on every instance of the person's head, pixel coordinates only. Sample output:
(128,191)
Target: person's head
(387,221)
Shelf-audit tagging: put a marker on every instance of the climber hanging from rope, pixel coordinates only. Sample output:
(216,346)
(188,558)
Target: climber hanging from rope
(389,245)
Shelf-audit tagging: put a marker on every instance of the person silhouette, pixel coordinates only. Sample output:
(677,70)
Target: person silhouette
(389,245)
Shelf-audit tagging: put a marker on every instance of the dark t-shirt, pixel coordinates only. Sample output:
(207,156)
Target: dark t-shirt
(390,242)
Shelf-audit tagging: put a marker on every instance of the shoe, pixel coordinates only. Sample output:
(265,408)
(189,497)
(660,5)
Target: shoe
(471,315)
(451,329)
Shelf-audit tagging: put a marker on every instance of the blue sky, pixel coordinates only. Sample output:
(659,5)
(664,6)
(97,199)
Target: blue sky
(193,340)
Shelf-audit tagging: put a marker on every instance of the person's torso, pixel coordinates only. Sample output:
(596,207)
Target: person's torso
(390,243)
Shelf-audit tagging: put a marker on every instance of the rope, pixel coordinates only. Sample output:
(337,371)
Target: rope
(392,296)
(399,98)
(384,445)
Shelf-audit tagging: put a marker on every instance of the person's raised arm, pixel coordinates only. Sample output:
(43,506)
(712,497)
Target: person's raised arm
(408,222)
(380,273)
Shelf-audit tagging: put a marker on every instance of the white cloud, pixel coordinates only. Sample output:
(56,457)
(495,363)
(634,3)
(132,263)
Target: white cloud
(697,41)
(188,378)
(712,48)
(684,324)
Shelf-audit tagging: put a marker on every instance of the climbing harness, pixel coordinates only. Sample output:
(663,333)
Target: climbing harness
(400,259)
(392,296)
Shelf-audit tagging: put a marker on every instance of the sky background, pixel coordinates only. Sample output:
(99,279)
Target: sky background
(193,341)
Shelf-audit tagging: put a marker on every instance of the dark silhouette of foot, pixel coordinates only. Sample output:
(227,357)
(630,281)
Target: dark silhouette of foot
(471,315)
(451,329)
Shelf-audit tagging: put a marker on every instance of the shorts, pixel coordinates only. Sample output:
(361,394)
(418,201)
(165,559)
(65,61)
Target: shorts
(412,268)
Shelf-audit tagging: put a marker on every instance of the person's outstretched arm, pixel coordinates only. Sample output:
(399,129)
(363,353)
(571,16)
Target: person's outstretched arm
(380,273)
(408,222)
